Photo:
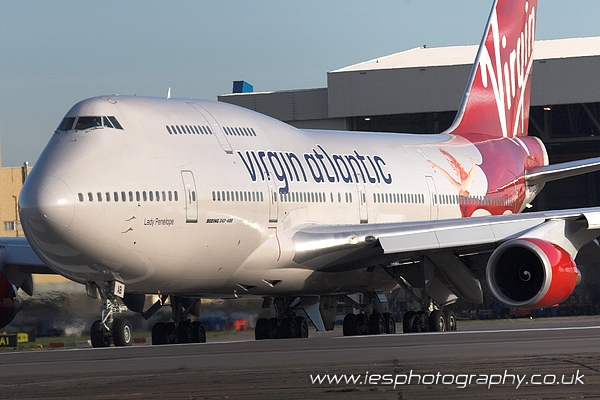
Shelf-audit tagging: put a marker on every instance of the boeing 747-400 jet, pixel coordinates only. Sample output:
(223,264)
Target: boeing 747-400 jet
(189,199)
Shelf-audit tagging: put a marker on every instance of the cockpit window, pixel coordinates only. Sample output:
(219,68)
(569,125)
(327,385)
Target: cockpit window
(107,122)
(88,122)
(85,123)
(66,124)
(115,123)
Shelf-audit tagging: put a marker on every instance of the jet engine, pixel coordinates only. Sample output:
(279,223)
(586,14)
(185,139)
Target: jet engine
(10,301)
(531,273)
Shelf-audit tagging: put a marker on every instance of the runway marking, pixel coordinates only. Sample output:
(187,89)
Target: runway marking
(572,328)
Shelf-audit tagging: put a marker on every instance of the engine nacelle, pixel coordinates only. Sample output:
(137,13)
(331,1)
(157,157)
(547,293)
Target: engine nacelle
(531,273)
(10,301)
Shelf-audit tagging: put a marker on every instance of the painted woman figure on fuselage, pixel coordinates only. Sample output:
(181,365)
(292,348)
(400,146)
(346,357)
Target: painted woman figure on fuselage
(464,182)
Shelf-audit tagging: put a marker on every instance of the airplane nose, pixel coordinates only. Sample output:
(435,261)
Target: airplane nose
(49,200)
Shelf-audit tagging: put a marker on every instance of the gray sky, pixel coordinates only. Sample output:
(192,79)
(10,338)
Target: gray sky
(55,53)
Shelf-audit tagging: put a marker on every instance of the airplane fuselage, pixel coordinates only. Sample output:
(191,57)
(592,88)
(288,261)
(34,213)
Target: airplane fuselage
(195,197)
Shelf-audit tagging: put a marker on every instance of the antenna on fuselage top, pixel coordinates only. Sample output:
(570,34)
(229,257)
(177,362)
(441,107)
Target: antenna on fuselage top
(169,93)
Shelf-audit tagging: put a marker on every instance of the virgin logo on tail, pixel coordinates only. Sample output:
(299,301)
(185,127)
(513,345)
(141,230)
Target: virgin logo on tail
(496,101)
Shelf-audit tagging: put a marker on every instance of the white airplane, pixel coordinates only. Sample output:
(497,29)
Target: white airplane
(190,199)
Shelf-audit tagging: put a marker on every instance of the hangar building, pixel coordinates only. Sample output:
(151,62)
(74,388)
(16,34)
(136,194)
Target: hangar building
(419,91)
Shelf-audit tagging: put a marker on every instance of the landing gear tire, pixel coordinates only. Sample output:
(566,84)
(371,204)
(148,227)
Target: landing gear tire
(99,335)
(288,328)
(362,324)
(437,321)
(122,333)
(198,332)
(274,331)
(349,326)
(422,322)
(159,333)
(302,327)
(376,324)
(389,323)
(261,329)
(184,332)
(450,320)
(410,320)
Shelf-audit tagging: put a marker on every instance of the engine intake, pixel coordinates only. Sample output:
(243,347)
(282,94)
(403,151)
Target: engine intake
(531,273)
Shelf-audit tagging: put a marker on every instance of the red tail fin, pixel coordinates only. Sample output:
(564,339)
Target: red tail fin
(496,101)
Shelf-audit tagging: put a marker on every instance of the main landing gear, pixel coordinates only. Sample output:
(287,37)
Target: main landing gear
(181,330)
(287,325)
(435,321)
(370,321)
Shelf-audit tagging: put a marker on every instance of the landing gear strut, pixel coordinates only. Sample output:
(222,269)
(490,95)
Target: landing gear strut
(287,325)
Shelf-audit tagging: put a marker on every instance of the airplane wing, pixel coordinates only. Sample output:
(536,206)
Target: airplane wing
(18,262)
(322,247)
(506,243)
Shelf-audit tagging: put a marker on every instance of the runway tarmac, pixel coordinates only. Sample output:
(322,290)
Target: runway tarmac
(561,354)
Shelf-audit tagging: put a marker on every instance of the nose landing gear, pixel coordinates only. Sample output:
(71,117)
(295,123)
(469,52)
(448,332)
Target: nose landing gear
(109,328)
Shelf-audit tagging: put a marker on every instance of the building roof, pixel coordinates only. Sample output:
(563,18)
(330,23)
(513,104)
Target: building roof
(460,55)
(430,80)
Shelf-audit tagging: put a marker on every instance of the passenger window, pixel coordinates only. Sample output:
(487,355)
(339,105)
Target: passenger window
(137,196)
(123,196)
(171,196)
(169,130)
(145,196)
(80,195)
(176,196)
(99,196)
(116,196)
(193,196)
(66,124)
(107,196)
(130,196)
(88,123)
(157,195)
(151,195)
(90,196)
